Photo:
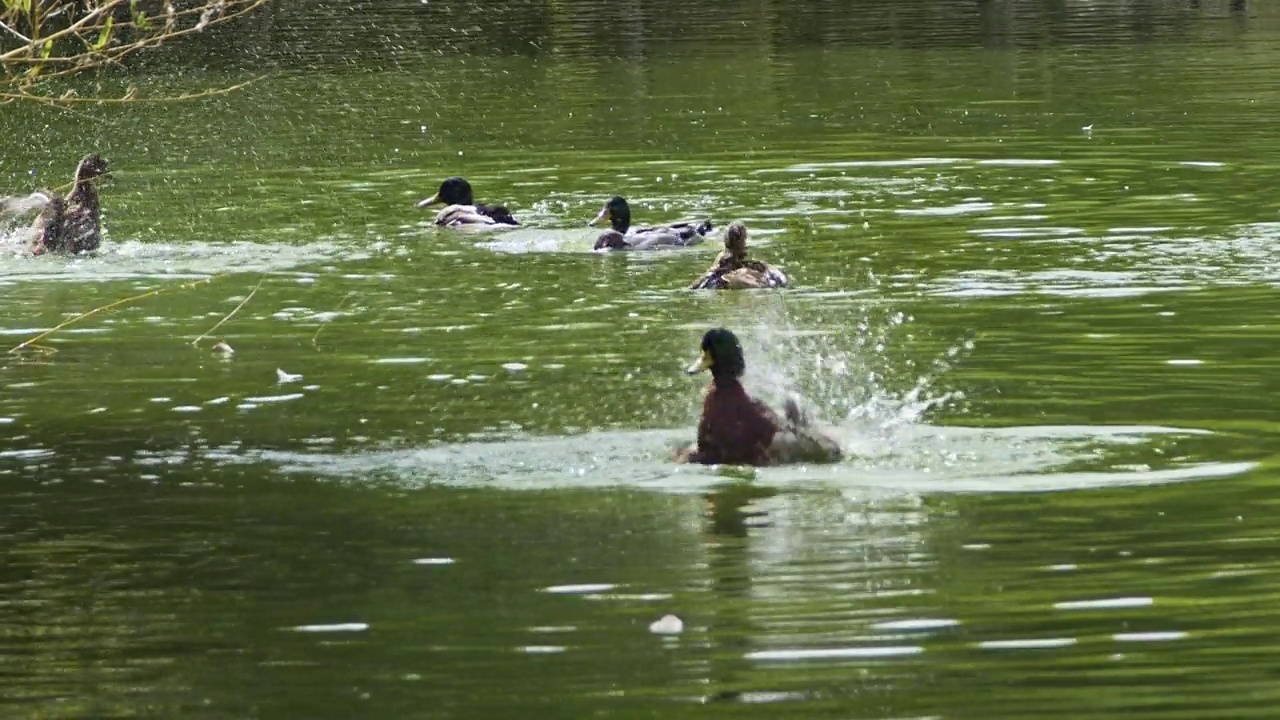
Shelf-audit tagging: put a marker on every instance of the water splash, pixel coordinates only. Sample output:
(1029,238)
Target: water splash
(192,259)
(855,369)
(929,460)
(16,232)
(16,205)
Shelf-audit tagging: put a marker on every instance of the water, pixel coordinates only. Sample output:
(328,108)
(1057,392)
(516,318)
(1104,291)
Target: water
(1033,254)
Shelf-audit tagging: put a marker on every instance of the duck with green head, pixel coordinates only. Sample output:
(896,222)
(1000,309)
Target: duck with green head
(461,208)
(733,270)
(621,236)
(737,429)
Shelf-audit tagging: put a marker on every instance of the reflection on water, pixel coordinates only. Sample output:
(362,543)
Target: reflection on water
(591,28)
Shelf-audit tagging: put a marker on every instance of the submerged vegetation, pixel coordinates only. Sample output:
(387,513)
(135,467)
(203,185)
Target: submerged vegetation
(44,41)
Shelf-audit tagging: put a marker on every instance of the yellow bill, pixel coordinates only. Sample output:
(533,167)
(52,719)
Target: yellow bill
(702,363)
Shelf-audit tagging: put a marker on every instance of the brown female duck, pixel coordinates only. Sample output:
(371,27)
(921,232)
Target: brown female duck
(621,236)
(733,270)
(461,208)
(736,429)
(72,224)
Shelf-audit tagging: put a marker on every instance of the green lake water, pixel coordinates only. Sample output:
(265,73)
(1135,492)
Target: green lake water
(1033,250)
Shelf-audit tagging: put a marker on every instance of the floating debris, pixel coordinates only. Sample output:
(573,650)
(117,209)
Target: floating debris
(335,627)
(222,347)
(231,314)
(251,402)
(579,589)
(283,377)
(667,625)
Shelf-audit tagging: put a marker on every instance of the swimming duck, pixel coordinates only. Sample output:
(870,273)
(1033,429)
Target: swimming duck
(72,224)
(737,429)
(732,270)
(621,236)
(461,209)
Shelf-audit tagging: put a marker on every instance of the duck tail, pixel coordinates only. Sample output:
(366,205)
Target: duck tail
(795,416)
(498,213)
(704,227)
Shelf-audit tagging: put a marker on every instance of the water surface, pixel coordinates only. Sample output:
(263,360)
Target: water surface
(1034,267)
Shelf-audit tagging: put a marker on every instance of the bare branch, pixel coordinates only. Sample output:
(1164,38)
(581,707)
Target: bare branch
(127,98)
(34,48)
(9,29)
(99,36)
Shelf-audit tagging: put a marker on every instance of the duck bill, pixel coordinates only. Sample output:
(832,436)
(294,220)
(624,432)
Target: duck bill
(604,215)
(703,362)
(429,201)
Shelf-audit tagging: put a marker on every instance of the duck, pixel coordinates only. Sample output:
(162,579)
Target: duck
(70,224)
(733,270)
(737,429)
(461,208)
(621,236)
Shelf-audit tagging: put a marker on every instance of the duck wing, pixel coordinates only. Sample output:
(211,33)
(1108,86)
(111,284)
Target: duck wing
(800,440)
(693,232)
(50,227)
(807,445)
(774,277)
(454,215)
(751,275)
(707,281)
(499,214)
(651,238)
(710,280)
(614,240)
(19,206)
(681,234)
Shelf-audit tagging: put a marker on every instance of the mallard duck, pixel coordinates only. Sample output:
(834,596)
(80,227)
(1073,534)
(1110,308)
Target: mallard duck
(737,429)
(73,223)
(621,236)
(732,270)
(461,209)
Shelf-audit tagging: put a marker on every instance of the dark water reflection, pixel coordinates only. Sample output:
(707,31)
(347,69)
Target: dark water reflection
(316,32)
(1033,245)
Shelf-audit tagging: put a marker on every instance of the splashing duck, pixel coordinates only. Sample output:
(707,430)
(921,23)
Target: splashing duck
(621,236)
(461,208)
(733,270)
(737,429)
(67,224)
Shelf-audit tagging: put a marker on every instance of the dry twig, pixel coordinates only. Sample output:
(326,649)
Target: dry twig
(341,302)
(235,310)
(25,344)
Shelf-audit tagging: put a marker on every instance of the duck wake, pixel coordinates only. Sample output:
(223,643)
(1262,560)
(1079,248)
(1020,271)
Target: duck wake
(861,381)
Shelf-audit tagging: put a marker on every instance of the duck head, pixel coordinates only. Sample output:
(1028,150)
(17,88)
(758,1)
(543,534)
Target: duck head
(91,166)
(453,191)
(617,212)
(721,354)
(735,240)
